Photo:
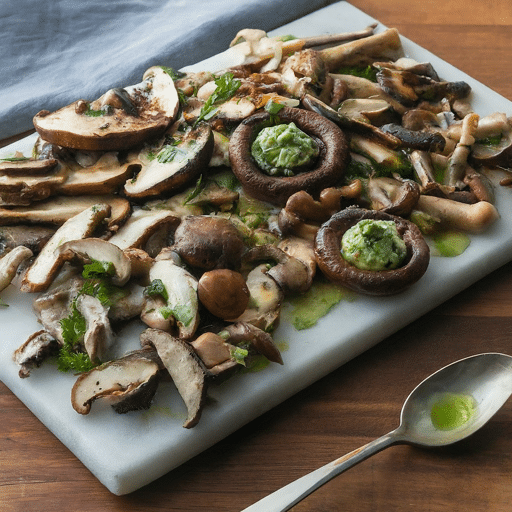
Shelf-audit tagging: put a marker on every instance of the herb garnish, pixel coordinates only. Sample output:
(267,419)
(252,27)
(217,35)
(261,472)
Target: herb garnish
(156,287)
(226,88)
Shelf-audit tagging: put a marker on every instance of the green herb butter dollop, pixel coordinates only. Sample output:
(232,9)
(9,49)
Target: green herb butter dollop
(452,411)
(279,150)
(373,245)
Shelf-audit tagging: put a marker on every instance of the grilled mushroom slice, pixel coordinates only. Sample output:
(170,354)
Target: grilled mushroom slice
(128,383)
(10,262)
(27,166)
(327,171)
(48,262)
(185,368)
(118,120)
(59,209)
(173,166)
(383,282)
(34,351)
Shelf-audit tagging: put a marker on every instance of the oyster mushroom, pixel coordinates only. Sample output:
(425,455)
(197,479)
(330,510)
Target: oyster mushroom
(89,249)
(127,384)
(174,165)
(396,197)
(328,171)
(384,282)
(48,261)
(185,368)
(472,218)
(10,262)
(208,242)
(155,105)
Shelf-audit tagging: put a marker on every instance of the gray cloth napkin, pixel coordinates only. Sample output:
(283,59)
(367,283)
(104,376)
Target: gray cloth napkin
(54,52)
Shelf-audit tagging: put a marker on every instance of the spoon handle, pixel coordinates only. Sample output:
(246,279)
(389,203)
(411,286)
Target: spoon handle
(288,496)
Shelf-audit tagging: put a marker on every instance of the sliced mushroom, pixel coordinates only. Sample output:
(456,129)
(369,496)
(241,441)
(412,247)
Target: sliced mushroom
(181,302)
(98,337)
(59,209)
(27,166)
(89,249)
(10,262)
(129,306)
(328,171)
(128,383)
(213,350)
(174,165)
(184,367)
(261,341)
(427,141)
(33,237)
(48,262)
(38,347)
(136,231)
(111,128)
(290,273)
(208,242)
(266,297)
(25,189)
(104,176)
(396,197)
(385,282)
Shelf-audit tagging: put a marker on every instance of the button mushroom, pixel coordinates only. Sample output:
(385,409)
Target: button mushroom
(383,282)
(326,172)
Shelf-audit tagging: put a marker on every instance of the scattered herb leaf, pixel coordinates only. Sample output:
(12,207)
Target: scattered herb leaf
(156,287)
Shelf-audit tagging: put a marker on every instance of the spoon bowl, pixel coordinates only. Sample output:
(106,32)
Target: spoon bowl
(446,407)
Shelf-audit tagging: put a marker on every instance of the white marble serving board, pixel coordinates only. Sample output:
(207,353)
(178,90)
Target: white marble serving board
(128,451)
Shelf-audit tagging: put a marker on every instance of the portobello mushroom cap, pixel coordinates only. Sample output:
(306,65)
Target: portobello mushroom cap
(329,168)
(384,282)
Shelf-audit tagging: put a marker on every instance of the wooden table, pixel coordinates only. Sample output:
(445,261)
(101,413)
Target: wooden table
(353,405)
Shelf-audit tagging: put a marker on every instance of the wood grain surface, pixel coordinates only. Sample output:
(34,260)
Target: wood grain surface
(353,405)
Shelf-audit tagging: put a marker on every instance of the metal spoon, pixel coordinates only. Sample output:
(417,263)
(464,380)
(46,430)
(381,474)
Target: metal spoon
(485,378)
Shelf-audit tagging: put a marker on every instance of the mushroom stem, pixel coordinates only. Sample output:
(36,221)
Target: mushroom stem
(473,218)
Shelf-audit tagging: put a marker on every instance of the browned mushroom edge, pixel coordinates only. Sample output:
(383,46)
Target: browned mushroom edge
(385,282)
(329,166)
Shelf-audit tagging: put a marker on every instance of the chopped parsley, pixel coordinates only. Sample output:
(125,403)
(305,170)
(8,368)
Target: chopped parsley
(156,287)
(368,72)
(182,313)
(239,354)
(226,88)
(3,304)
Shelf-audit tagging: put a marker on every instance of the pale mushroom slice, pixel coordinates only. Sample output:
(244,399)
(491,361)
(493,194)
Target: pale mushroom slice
(58,209)
(140,226)
(34,351)
(96,249)
(120,119)
(128,383)
(105,176)
(10,262)
(98,336)
(48,262)
(181,301)
(185,368)
(173,165)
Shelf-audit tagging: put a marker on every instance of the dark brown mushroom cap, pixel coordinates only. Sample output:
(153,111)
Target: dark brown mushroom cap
(207,243)
(384,282)
(330,164)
